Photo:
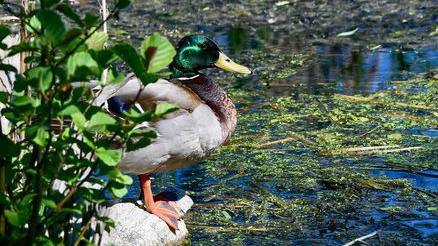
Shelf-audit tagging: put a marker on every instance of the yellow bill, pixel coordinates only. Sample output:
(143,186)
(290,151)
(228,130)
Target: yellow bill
(227,64)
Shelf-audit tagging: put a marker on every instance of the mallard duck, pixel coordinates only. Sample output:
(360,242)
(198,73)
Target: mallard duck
(205,119)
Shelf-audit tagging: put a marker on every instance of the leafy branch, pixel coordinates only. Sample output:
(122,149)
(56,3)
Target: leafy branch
(65,138)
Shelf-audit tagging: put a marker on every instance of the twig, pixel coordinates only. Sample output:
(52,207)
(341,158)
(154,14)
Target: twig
(104,10)
(371,148)
(428,193)
(294,136)
(361,238)
(8,18)
(84,230)
(396,150)
(370,131)
(284,140)
(381,102)
(375,150)
(227,228)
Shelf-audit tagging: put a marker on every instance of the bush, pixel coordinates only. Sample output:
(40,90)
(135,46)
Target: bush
(56,132)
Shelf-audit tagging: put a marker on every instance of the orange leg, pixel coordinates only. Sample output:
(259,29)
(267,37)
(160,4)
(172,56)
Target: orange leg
(165,210)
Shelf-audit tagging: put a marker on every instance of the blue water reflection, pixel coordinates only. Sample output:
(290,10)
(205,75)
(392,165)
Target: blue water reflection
(359,70)
(428,181)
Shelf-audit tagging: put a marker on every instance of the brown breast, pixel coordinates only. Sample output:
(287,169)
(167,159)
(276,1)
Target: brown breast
(216,98)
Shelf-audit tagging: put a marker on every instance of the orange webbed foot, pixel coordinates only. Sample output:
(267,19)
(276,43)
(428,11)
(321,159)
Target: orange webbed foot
(165,211)
(169,197)
(162,205)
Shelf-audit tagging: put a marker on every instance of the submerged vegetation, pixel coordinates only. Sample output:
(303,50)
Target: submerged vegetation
(307,166)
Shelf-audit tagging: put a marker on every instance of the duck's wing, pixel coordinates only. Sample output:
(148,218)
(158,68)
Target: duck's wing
(158,92)
(184,136)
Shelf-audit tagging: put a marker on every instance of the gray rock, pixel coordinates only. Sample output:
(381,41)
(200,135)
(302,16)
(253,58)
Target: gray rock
(135,226)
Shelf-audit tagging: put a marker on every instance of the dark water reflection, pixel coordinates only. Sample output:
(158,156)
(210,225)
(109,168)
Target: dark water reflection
(349,69)
(358,70)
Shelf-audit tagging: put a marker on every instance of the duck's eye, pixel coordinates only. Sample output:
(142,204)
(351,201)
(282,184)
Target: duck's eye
(203,46)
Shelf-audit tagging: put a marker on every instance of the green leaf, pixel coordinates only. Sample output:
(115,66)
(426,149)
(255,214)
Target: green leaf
(101,119)
(111,157)
(130,56)
(71,211)
(15,218)
(114,77)
(4,200)
(165,108)
(91,20)
(23,101)
(118,190)
(8,68)
(139,139)
(72,37)
(107,220)
(76,115)
(134,115)
(34,24)
(49,203)
(158,52)
(43,240)
(12,217)
(92,195)
(4,32)
(51,24)
(8,148)
(41,137)
(121,4)
(81,60)
(66,10)
(78,119)
(21,47)
(4,97)
(226,215)
(125,179)
(43,75)
(27,199)
(119,177)
(103,57)
(69,110)
(50,3)
(135,144)
(97,40)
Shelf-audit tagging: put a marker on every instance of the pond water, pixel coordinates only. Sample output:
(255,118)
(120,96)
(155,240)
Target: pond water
(358,70)
(324,68)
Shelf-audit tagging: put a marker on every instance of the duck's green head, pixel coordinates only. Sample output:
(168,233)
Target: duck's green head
(196,52)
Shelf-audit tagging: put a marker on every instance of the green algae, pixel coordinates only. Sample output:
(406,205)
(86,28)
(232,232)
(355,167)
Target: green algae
(296,164)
